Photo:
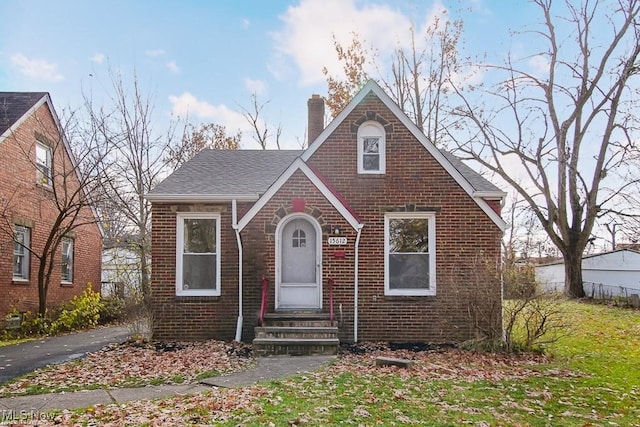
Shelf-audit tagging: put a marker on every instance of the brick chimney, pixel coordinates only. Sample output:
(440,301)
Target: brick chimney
(315,106)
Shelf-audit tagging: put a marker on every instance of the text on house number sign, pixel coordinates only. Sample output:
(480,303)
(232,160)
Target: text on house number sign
(335,241)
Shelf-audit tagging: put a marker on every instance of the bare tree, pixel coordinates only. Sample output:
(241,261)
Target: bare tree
(422,75)
(135,163)
(420,79)
(262,133)
(194,140)
(66,196)
(569,125)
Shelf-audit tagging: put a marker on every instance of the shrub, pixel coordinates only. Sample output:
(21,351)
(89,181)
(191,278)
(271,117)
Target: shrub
(532,322)
(83,311)
(34,324)
(113,310)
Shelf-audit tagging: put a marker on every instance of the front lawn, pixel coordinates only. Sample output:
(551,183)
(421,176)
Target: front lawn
(590,378)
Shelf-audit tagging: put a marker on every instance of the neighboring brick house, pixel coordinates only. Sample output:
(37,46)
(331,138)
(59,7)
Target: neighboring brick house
(372,220)
(33,152)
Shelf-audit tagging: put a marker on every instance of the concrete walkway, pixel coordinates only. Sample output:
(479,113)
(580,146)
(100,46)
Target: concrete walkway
(266,368)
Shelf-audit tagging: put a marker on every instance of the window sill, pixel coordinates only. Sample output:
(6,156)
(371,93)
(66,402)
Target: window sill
(20,282)
(200,294)
(430,293)
(66,284)
(371,175)
(47,187)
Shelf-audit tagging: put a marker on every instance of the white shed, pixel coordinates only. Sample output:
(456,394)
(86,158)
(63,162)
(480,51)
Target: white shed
(605,275)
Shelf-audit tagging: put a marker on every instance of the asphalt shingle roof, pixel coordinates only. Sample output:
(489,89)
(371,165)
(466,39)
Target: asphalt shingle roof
(251,172)
(227,172)
(14,105)
(477,181)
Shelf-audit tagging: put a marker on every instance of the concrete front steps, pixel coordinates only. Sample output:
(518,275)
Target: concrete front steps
(296,333)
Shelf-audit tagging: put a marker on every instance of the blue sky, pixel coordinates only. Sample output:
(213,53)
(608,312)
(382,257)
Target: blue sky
(205,58)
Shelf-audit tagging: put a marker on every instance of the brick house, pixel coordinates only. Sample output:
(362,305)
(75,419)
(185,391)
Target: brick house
(371,226)
(33,155)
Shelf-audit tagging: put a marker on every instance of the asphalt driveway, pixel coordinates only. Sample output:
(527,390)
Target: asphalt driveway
(19,359)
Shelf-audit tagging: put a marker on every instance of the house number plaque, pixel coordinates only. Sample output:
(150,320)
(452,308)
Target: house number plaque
(335,241)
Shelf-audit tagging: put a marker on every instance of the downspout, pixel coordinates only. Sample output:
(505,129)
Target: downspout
(234,219)
(355,286)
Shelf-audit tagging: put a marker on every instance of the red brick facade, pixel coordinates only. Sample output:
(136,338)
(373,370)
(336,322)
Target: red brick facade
(25,202)
(414,181)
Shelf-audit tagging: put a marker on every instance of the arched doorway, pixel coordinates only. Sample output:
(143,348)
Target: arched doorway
(299,263)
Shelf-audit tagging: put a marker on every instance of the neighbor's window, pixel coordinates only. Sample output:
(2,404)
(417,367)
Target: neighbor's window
(21,242)
(43,164)
(410,253)
(371,148)
(67,260)
(198,254)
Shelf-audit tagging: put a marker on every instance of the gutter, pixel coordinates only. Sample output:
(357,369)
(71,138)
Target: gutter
(234,225)
(200,198)
(355,285)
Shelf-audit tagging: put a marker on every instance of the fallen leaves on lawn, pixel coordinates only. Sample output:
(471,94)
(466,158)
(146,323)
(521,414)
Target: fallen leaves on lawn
(128,365)
(214,406)
(220,405)
(448,364)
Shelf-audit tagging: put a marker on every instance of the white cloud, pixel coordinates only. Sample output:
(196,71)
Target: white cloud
(540,64)
(255,86)
(245,23)
(98,58)
(153,53)
(307,36)
(186,105)
(173,67)
(37,68)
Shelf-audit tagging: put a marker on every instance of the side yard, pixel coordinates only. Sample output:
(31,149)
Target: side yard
(591,376)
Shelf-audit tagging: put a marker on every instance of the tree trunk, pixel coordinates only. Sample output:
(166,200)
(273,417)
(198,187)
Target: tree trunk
(573,287)
(43,286)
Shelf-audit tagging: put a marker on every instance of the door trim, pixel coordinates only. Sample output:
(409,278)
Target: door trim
(278,256)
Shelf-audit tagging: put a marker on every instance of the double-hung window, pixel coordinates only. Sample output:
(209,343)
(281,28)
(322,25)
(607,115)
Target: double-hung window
(371,148)
(198,254)
(67,260)
(21,244)
(410,267)
(43,164)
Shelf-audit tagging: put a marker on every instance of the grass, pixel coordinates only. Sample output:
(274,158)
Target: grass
(12,341)
(592,379)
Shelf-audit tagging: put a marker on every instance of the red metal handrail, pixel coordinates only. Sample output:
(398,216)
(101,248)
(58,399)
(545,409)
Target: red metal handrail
(331,314)
(263,304)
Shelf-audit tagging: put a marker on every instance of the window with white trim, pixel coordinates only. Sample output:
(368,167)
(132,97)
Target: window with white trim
(43,164)
(198,254)
(66,265)
(410,266)
(21,244)
(371,148)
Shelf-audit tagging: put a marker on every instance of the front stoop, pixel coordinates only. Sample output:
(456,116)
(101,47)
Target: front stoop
(296,334)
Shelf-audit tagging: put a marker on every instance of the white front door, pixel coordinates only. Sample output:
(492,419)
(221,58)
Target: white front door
(299,264)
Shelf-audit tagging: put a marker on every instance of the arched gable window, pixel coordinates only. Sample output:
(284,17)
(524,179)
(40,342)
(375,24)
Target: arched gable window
(371,148)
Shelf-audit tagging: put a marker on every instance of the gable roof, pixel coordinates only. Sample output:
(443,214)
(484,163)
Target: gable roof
(476,186)
(14,107)
(329,193)
(247,175)
(243,175)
